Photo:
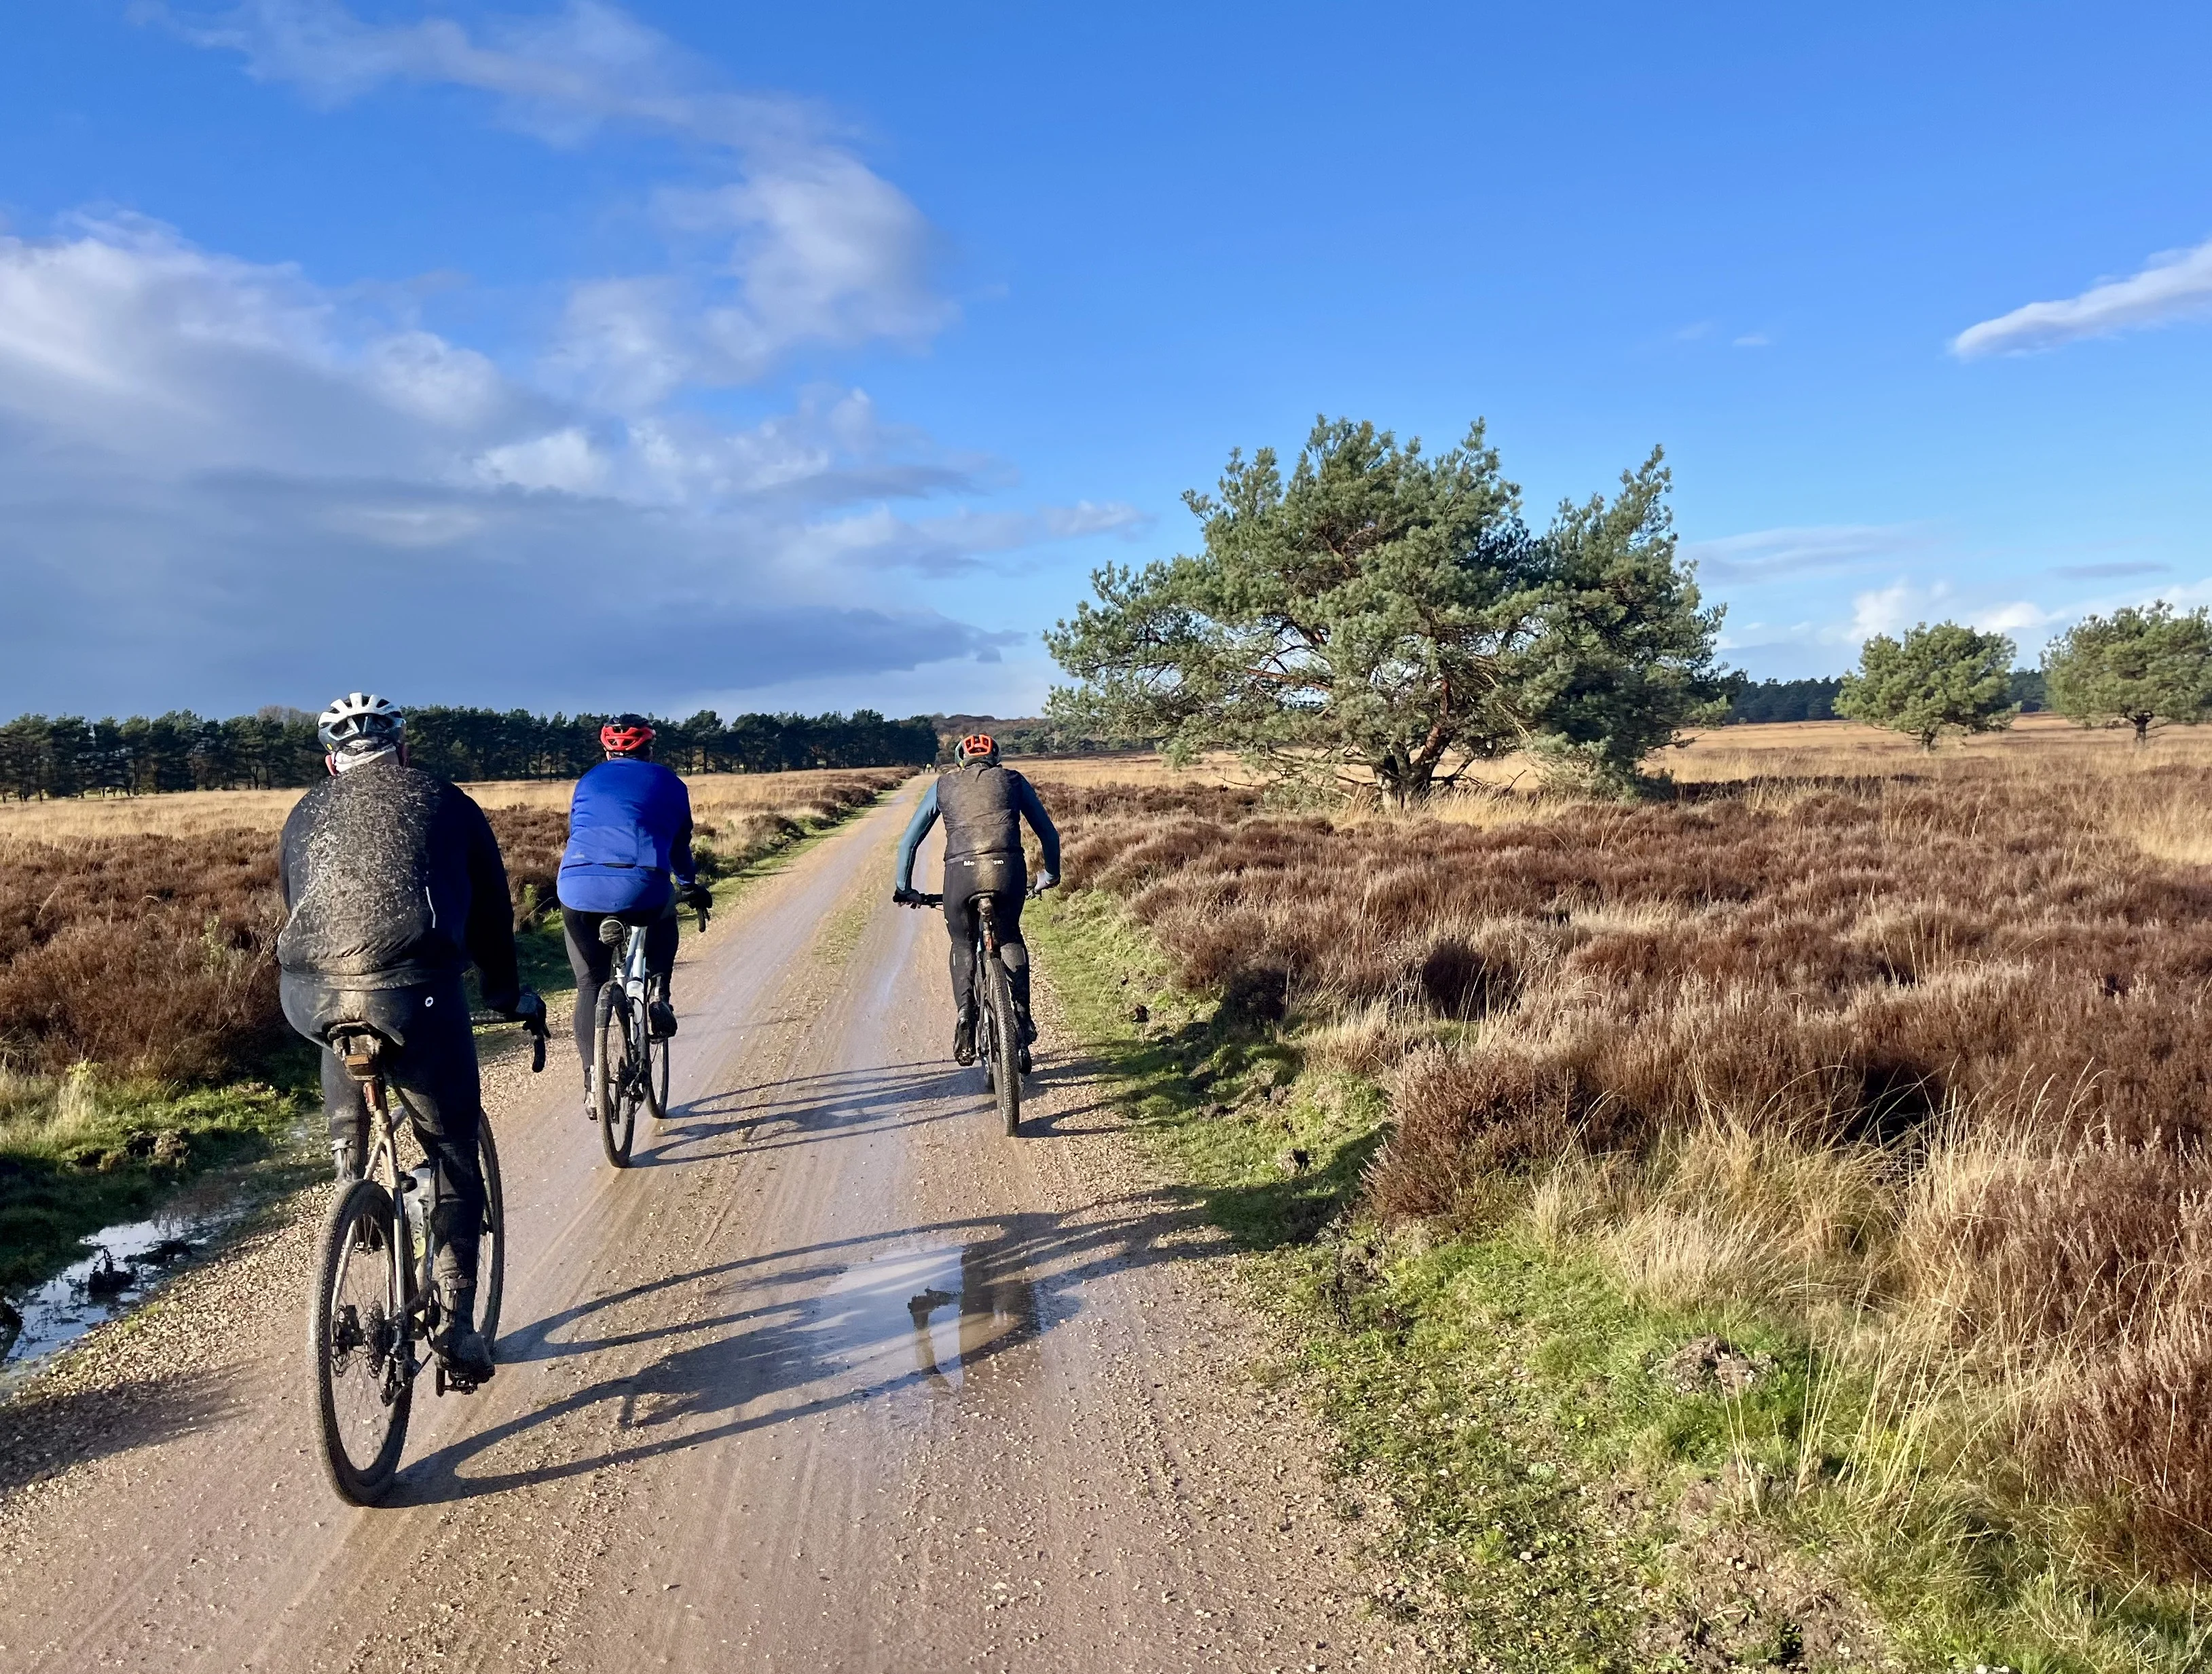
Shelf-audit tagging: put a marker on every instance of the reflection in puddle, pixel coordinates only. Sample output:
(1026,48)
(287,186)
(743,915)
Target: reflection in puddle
(941,1312)
(128,1262)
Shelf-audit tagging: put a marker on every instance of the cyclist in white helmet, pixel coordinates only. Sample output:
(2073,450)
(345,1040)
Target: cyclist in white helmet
(393,886)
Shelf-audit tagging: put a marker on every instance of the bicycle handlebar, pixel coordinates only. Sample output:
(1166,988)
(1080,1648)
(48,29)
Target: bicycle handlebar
(916,898)
(536,1025)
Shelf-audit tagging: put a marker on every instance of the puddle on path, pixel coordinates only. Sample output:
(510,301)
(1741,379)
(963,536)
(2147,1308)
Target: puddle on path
(940,1312)
(128,1263)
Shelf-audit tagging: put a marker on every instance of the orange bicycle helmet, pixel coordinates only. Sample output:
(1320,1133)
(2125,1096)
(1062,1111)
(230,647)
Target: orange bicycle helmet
(625,734)
(977,747)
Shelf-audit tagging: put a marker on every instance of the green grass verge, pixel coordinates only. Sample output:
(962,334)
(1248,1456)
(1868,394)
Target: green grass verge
(78,1154)
(1565,1491)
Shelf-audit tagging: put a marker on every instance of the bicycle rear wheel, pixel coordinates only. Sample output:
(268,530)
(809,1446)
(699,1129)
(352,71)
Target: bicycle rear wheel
(1005,1047)
(360,1345)
(614,1078)
(492,1237)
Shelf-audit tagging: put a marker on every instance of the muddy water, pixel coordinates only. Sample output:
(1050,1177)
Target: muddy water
(923,1317)
(127,1263)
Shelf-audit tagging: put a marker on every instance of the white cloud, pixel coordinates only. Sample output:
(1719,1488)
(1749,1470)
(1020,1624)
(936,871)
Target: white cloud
(2177,285)
(563,459)
(220,484)
(1764,554)
(120,336)
(806,245)
(2019,617)
(1903,605)
(1890,609)
(1755,340)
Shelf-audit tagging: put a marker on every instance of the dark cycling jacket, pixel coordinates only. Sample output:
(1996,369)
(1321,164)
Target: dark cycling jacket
(630,830)
(982,808)
(392,878)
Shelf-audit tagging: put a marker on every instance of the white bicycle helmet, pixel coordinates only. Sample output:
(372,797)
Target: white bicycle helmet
(360,724)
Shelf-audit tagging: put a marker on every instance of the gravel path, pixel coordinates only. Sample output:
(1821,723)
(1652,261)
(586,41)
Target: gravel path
(836,1376)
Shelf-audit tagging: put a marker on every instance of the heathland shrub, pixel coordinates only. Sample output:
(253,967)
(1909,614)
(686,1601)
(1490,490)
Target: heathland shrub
(1927,1056)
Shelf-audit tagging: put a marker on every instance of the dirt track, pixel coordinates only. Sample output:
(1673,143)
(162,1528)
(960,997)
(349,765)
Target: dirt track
(834,1378)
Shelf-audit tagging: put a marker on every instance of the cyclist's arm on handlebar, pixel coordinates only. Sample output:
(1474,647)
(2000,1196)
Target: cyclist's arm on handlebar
(1048,833)
(925,815)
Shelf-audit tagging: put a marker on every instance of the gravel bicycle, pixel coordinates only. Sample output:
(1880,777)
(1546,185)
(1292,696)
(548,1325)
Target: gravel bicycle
(375,1311)
(998,1035)
(629,1063)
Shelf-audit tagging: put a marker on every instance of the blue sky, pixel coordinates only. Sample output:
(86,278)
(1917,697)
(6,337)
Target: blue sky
(583,355)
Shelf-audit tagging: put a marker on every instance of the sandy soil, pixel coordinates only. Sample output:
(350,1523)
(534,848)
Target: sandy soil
(835,1377)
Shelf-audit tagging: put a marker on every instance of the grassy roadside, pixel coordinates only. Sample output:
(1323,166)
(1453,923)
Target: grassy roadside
(78,1153)
(1580,1479)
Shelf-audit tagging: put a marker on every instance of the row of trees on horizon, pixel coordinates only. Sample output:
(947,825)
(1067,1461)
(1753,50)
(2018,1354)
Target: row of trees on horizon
(2142,668)
(67,756)
(1759,701)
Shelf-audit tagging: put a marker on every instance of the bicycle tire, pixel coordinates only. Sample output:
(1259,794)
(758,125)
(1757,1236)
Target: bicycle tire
(1006,1049)
(362,1438)
(492,1237)
(656,1068)
(614,1095)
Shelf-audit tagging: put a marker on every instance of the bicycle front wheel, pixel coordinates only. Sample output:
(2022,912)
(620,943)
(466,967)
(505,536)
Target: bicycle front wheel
(656,1070)
(614,1078)
(491,1236)
(1005,1048)
(360,1345)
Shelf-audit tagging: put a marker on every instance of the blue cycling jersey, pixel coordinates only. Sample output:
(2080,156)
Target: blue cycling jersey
(630,832)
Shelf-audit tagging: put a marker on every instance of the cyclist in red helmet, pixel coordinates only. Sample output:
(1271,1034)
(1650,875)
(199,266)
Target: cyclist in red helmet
(982,805)
(628,856)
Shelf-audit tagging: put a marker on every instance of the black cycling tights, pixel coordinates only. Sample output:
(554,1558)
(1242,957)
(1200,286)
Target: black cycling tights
(432,1068)
(1014,952)
(593,961)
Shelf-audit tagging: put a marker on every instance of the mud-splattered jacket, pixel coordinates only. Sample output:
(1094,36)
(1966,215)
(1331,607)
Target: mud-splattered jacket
(982,808)
(392,878)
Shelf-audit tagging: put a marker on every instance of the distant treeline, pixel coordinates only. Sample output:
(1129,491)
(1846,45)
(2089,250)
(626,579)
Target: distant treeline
(1815,700)
(67,756)
(1022,736)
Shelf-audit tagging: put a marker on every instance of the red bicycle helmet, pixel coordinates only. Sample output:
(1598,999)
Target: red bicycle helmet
(625,734)
(977,747)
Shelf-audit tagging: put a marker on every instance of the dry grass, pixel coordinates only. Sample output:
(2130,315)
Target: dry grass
(139,934)
(1914,1054)
(718,800)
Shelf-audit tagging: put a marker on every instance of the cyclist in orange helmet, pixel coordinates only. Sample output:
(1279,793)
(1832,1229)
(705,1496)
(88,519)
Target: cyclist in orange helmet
(982,804)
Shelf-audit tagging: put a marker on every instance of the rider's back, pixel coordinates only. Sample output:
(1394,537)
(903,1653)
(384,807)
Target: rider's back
(630,828)
(384,869)
(981,807)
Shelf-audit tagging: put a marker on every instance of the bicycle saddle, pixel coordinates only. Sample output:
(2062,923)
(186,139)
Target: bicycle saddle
(357,1044)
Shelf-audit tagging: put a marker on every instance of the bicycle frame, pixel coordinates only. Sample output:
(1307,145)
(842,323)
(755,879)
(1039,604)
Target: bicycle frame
(985,949)
(362,1052)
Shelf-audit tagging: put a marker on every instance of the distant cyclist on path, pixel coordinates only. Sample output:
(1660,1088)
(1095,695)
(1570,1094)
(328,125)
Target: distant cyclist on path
(982,805)
(630,858)
(392,886)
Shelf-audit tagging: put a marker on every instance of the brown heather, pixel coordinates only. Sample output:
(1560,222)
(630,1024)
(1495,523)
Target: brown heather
(152,954)
(1922,1062)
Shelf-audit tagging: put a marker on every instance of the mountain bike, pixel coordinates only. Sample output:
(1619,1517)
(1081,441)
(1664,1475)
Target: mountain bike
(375,1310)
(629,1064)
(998,1031)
